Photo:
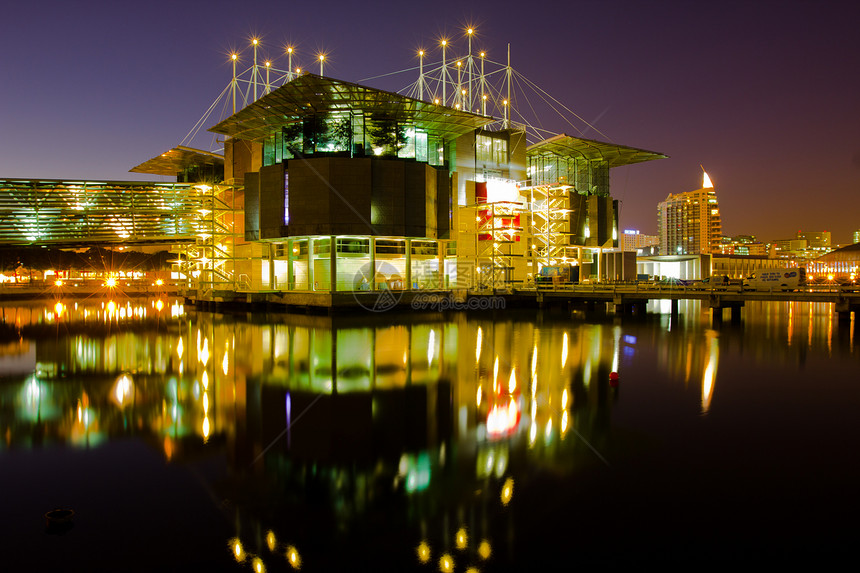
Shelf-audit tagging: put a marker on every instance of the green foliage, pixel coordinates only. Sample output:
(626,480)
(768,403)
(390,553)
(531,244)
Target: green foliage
(386,133)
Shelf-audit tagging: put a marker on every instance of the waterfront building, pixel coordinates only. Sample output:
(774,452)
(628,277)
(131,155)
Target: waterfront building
(738,266)
(689,223)
(856,236)
(327,185)
(841,265)
(343,187)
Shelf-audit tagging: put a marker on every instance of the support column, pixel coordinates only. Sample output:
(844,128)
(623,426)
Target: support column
(310,256)
(408,264)
(674,307)
(716,316)
(272,278)
(291,280)
(333,263)
(736,313)
(372,263)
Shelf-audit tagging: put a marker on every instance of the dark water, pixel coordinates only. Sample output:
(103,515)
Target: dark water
(433,442)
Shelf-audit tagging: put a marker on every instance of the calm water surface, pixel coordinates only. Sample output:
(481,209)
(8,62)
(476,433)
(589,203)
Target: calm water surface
(435,442)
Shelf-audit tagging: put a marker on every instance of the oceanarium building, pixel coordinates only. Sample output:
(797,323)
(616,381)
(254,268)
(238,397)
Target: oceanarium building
(330,186)
(335,186)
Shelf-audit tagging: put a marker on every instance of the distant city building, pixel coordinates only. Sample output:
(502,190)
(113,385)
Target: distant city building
(742,245)
(805,246)
(856,236)
(633,240)
(816,240)
(689,223)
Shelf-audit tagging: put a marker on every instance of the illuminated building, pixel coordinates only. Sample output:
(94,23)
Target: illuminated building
(841,265)
(351,188)
(633,240)
(327,185)
(689,223)
(742,245)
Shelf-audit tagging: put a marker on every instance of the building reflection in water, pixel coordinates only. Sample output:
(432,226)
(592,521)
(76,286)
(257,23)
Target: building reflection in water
(435,418)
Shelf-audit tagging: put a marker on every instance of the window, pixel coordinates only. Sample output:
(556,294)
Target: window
(353,245)
(390,247)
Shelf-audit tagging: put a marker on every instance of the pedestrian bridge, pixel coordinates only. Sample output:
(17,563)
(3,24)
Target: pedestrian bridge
(632,298)
(82,213)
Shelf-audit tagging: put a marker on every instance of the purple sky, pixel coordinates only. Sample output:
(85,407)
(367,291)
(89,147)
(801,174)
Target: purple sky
(764,95)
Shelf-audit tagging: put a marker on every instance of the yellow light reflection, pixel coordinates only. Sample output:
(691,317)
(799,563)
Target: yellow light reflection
(423,551)
(257,565)
(534,364)
(271,542)
(564,350)
(204,353)
(238,550)
(564,422)
(478,397)
(179,349)
(462,538)
(205,428)
(446,563)
(496,375)
(168,447)
(159,305)
(710,373)
(512,382)
(59,308)
(564,398)
(122,389)
(507,491)
(478,344)
(205,380)
(294,558)
(484,549)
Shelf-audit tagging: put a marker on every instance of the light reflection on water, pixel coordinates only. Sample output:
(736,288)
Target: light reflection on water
(426,428)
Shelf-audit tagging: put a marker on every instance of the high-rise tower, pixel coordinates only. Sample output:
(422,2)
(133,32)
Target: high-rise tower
(689,223)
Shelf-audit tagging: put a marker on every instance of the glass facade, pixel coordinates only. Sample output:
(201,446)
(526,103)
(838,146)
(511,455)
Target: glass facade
(349,134)
(363,263)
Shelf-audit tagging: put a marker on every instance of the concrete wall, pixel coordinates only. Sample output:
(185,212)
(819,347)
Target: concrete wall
(241,157)
(252,206)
